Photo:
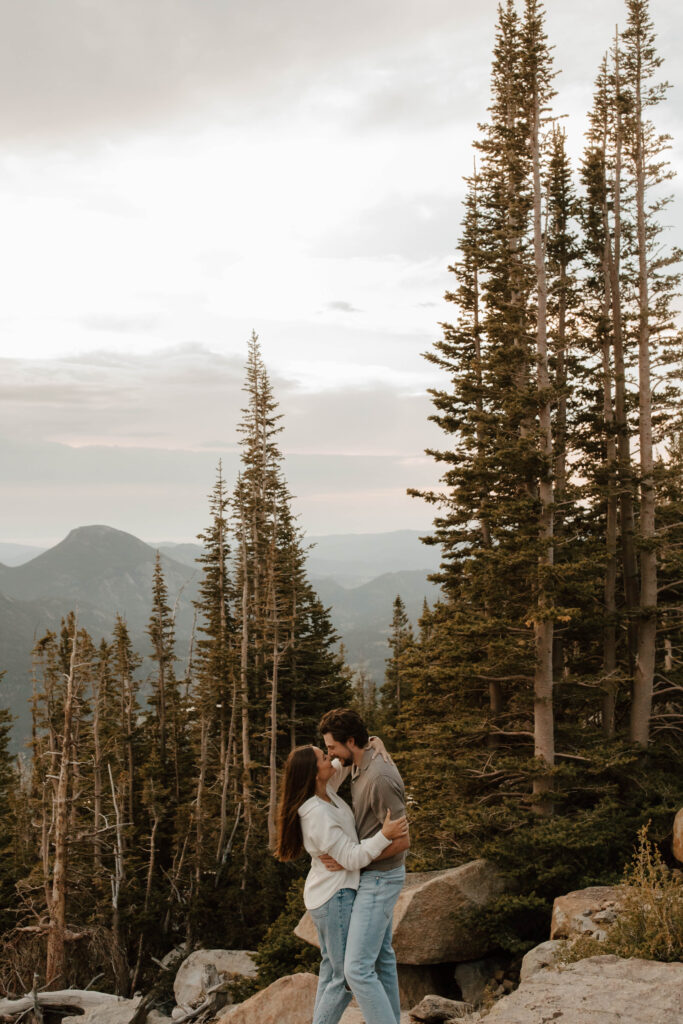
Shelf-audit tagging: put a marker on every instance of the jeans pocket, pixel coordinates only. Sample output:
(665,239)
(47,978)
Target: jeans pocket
(319,915)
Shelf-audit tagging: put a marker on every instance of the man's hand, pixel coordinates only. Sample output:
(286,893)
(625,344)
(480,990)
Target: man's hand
(398,846)
(330,863)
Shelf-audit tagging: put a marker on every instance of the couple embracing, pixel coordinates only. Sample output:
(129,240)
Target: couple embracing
(357,863)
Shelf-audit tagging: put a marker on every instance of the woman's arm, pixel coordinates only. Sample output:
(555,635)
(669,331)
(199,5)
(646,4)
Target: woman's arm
(396,846)
(352,855)
(331,839)
(341,772)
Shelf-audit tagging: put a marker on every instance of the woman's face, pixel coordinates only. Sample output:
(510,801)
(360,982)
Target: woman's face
(325,768)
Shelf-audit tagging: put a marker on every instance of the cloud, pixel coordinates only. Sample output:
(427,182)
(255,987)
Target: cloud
(134,440)
(343,307)
(179,397)
(100,67)
(95,68)
(412,227)
(115,323)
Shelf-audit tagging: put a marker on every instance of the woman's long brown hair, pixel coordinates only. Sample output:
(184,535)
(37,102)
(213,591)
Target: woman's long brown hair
(298,785)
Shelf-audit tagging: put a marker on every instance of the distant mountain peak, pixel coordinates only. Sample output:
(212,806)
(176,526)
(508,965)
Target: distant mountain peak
(98,531)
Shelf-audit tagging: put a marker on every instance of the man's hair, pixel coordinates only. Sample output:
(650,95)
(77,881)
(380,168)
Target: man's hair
(344,724)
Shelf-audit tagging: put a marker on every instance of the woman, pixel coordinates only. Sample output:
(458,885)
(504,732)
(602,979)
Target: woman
(313,817)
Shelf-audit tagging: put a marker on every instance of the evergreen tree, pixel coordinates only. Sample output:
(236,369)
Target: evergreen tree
(656,288)
(214,695)
(395,688)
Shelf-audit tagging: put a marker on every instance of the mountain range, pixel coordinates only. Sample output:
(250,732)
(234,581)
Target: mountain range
(99,571)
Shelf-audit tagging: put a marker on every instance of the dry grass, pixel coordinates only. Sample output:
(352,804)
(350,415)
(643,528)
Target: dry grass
(650,921)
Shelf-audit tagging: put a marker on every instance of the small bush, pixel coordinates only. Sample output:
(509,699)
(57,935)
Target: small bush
(650,921)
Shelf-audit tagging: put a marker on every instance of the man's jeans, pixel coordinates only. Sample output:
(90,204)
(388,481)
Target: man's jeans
(332,921)
(370,965)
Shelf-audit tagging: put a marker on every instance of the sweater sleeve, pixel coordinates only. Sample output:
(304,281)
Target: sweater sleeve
(341,773)
(335,842)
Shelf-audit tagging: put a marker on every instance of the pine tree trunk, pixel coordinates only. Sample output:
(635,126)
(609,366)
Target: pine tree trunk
(130,755)
(272,756)
(643,678)
(56,941)
(625,471)
(117,880)
(544,742)
(225,784)
(244,700)
(151,864)
(560,458)
(162,709)
(609,647)
(199,801)
(274,682)
(97,780)
(222,587)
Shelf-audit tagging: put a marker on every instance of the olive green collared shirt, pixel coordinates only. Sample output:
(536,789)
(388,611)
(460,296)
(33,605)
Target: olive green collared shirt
(377,787)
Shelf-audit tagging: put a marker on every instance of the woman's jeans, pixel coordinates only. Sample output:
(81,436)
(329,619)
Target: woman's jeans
(370,966)
(332,921)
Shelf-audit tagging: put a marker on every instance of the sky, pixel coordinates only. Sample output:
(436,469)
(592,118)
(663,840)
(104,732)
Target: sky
(175,174)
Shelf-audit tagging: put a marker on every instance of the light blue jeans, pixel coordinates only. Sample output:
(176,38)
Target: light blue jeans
(332,921)
(370,964)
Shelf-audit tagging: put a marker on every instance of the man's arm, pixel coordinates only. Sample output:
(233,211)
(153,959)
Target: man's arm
(398,846)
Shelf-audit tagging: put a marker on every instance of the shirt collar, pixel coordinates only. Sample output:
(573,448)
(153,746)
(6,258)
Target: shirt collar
(365,762)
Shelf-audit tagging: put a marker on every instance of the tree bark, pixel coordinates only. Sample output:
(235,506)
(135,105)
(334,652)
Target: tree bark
(56,949)
(117,880)
(609,643)
(244,700)
(97,774)
(641,707)
(544,741)
(625,471)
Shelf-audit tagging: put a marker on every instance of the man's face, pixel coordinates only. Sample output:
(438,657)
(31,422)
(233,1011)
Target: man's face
(337,749)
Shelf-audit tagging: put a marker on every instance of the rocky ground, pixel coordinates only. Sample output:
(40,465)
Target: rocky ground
(446,973)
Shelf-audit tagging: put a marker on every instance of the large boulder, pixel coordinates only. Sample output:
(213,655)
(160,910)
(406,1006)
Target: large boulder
(432,917)
(600,990)
(354,1016)
(206,967)
(288,1000)
(678,836)
(540,956)
(585,912)
(119,1012)
(307,931)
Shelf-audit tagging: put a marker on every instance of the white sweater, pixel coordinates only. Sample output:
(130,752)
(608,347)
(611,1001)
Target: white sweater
(331,828)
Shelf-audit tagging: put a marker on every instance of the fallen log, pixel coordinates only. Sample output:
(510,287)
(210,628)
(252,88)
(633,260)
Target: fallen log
(76,998)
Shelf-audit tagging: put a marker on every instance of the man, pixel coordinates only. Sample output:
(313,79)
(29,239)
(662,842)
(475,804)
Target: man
(376,787)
